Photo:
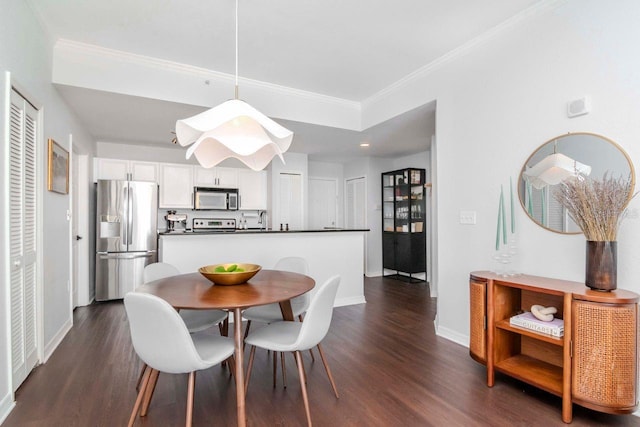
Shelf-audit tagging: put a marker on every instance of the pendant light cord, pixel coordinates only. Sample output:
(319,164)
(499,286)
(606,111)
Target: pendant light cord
(236,49)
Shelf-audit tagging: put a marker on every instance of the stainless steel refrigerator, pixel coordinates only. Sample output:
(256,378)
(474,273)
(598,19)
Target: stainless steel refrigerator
(126,235)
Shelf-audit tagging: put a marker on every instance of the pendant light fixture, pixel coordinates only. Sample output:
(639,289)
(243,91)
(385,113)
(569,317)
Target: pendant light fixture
(233,129)
(554,169)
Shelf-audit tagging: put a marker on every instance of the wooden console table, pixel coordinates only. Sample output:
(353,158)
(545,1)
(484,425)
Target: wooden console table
(595,363)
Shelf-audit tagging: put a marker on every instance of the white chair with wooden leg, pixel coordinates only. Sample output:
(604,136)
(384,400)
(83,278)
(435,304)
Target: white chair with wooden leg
(286,336)
(161,339)
(196,320)
(270,313)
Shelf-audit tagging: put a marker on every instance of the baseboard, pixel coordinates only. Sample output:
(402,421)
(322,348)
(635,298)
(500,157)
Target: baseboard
(6,406)
(51,346)
(341,302)
(373,273)
(452,335)
(85,303)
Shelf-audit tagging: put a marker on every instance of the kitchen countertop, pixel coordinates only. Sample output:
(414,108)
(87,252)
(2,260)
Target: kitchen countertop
(255,231)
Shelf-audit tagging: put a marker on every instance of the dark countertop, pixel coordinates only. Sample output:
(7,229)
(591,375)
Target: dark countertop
(255,231)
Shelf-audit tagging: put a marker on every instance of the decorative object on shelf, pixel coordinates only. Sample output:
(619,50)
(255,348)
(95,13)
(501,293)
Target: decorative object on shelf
(601,269)
(58,169)
(506,246)
(543,313)
(597,207)
(229,274)
(527,320)
(233,129)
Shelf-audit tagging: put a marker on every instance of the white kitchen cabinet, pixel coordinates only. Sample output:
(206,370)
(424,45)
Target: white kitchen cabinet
(143,171)
(125,169)
(176,186)
(215,177)
(252,187)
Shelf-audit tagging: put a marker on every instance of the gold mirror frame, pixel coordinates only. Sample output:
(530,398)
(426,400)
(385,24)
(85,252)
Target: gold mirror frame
(582,147)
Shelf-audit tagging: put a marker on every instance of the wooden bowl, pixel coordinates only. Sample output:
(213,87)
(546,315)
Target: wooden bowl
(229,278)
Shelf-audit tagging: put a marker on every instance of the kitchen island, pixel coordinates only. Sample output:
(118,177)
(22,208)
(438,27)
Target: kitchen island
(328,252)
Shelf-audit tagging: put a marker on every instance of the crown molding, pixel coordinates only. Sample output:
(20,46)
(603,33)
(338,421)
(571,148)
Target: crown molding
(199,72)
(537,9)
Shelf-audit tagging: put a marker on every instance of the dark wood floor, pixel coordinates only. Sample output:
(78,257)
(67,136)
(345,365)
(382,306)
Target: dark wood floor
(390,369)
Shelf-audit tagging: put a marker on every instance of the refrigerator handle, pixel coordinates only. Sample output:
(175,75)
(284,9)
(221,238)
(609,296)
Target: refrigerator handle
(125,228)
(125,255)
(130,217)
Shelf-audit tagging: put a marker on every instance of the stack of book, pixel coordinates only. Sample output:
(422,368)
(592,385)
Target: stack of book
(527,320)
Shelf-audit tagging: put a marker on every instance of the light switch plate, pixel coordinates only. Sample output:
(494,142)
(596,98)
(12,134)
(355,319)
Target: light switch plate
(468,217)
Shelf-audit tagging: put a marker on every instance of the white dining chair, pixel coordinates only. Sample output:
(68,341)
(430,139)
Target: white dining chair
(285,336)
(161,339)
(271,312)
(196,320)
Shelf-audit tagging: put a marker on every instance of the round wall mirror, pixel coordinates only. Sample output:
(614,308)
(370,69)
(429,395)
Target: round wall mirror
(590,154)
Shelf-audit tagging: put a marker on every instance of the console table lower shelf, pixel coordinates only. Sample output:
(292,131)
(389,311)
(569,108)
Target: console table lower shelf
(595,363)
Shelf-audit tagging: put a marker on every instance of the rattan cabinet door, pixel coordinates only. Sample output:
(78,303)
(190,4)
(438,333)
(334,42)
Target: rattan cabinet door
(478,317)
(605,356)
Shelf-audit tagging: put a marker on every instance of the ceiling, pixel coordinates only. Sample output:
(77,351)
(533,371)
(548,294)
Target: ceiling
(349,50)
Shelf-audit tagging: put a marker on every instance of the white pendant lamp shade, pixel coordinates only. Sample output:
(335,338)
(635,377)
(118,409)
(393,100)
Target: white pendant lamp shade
(554,169)
(233,129)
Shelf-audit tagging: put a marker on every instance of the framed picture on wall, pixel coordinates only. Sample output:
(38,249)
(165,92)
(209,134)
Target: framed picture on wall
(58,168)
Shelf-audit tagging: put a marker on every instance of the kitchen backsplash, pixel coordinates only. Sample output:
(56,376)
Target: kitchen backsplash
(250,216)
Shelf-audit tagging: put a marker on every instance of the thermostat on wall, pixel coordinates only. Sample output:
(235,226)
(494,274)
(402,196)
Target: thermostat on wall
(578,107)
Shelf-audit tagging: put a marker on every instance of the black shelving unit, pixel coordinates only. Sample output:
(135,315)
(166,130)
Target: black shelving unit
(404,222)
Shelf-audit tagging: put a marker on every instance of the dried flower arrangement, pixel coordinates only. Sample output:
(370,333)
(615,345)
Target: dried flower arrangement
(596,206)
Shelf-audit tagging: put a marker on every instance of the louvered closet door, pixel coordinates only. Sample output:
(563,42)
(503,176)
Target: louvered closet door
(22,237)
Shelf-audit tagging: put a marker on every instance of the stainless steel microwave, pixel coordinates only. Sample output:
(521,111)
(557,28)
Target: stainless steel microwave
(209,198)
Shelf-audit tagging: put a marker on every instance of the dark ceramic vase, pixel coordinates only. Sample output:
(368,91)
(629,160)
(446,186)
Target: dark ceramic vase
(602,266)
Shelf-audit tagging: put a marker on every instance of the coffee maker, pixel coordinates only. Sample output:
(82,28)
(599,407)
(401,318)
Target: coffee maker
(174,218)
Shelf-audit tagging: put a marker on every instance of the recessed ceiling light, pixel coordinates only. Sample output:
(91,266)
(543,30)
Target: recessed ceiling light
(364,144)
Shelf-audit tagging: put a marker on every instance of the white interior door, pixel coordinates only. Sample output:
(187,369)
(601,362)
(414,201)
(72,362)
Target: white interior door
(355,208)
(290,210)
(356,198)
(23,126)
(83,288)
(323,203)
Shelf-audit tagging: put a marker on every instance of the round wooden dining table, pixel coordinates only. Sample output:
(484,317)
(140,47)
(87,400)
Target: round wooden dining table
(193,291)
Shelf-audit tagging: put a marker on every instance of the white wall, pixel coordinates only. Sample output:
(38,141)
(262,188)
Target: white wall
(153,153)
(132,151)
(371,169)
(418,160)
(496,104)
(94,67)
(26,52)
